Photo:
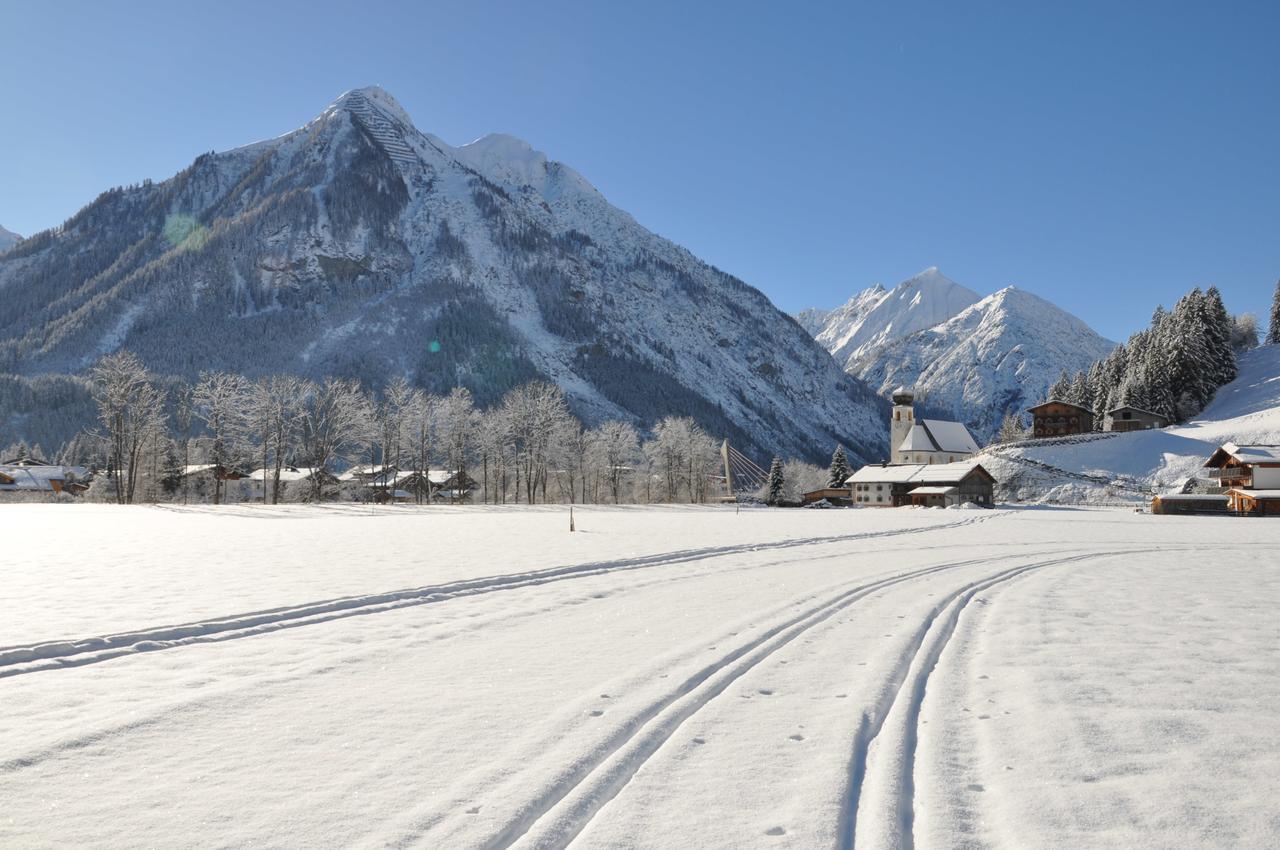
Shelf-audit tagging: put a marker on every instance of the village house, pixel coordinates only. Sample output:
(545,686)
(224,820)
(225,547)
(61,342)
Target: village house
(1246,482)
(1250,477)
(914,440)
(260,481)
(390,484)
(1060,419)
(27,475)
(1130,418)
(923,484)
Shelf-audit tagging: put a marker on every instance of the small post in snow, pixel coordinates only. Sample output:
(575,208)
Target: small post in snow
(571,517)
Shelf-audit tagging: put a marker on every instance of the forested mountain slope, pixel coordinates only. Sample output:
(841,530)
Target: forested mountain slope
(359,246)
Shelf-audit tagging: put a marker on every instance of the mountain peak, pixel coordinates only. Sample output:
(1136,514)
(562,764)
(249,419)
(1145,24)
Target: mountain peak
(361,99)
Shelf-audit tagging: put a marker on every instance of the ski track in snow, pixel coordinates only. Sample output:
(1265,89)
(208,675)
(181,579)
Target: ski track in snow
(572,804)
(568,780)
(50,655)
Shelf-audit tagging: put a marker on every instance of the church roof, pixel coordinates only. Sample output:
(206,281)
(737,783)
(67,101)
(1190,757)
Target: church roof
(938,435)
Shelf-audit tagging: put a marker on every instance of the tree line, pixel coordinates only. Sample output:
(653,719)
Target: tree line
(526,448)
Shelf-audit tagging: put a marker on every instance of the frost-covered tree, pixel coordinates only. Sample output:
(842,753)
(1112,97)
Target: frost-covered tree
(458,425)
(777,483)
(274,408)
(131,409)
(334,426)
(617,445)
(1244,333)
(1012,428)
(221,401)
(839,470)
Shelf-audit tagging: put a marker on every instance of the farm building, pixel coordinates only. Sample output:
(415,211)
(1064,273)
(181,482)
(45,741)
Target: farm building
(923,484)
(1190,503)
(839,496)
(1248,484)
(1130,418)
(1060,419)
(914,440)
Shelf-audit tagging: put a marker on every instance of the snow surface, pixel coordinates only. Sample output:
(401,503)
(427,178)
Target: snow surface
(665,677)
(1246,411)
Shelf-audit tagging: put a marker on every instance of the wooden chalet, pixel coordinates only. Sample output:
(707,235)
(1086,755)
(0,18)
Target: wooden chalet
(923,484)
(1247,484)
(1250,477)
(1060,419)
(1130,418)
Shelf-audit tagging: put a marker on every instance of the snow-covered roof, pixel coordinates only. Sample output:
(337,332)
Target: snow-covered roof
(289,473)
(365,471)
(938,435)
(1259,453)
(1136,409)
(38,477)
(934,490)
(917,473)
(1192,497)
(1061,401)
(1262,495)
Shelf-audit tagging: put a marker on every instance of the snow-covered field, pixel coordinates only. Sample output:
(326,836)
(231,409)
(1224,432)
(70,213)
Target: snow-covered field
(664,677)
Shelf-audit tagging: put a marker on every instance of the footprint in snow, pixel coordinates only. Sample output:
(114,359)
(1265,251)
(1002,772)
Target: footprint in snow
(765,692)
(604,696)
(699,740)
(984,716)
(596,713)
(984,676)
(474,810)
(841,696)
(775,830)
(976,787)
(797,737)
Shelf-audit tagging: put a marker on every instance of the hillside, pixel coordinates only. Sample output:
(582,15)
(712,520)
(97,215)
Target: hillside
(8,239)
(1108,467)
(359,246)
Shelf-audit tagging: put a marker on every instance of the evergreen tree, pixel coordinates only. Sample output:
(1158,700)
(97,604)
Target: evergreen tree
(840,470)
(776,483)
(1273,329)
(1220,327)
(1079,392)
(1061,389)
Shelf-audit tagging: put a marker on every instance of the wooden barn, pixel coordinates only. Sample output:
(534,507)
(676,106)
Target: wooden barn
(838,496)
(1060,419)
(1130,418)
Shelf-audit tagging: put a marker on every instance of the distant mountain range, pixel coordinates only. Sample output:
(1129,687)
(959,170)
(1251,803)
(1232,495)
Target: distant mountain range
(967,356)
(360,246)
(8,239)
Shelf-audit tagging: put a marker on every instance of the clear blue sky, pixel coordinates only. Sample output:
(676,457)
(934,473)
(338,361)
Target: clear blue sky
(1106,155)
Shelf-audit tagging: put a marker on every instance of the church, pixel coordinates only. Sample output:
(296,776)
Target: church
(914,440)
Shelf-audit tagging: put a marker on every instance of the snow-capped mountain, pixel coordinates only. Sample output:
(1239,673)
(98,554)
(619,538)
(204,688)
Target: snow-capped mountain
(875,316)
(359,246)
(8,239)
(1000,354)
